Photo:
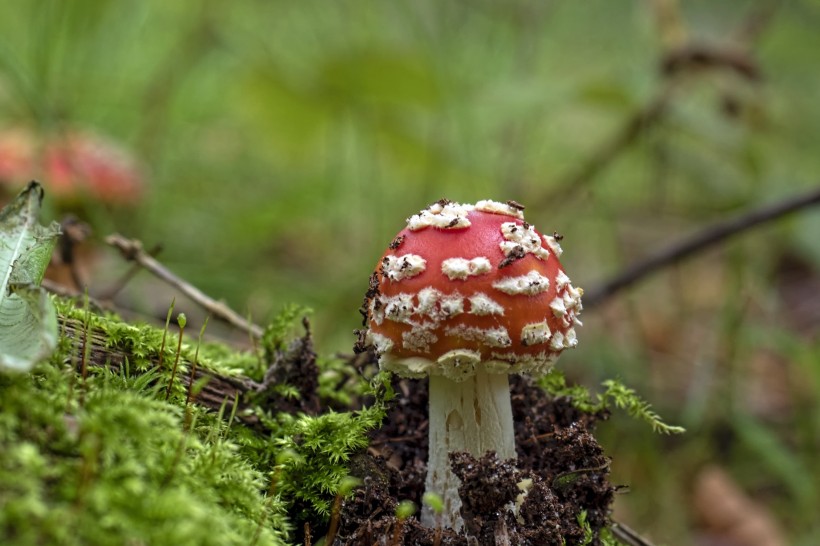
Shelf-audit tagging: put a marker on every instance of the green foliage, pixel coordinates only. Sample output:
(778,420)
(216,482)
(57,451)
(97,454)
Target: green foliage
(405,509)
(615,394)
(605,536)
(319,449)
(28,325)
(434,501)
(279,329)
(109,461)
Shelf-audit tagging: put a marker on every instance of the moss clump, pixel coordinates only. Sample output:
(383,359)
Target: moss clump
(120,468)
(108,460)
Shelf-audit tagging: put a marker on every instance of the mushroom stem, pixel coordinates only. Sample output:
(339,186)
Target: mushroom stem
(473,415)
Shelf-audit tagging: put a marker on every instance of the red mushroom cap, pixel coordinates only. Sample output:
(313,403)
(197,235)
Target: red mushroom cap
(73,164)
(464,285)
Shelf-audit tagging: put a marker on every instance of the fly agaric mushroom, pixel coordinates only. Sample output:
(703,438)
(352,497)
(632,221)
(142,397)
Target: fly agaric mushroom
(78,167)
(467,294)
(74,165)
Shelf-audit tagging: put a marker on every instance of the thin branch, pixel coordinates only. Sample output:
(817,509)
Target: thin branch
(132,250)
(569,185)
(217,388)
(118,286)
(628,536)
(674,64)
(698,242)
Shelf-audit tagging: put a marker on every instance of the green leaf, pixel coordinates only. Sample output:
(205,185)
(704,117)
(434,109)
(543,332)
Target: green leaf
(28,320)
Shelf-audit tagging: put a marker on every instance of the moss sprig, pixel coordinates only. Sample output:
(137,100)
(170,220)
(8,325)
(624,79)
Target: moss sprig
(615,394)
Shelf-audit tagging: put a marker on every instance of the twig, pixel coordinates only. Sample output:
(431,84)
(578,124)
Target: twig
(698,242)
(636,125)
(216,388)
(756,22)
(132,250)
(335,513)
(734,59)
(675,61)
(120,283)
(307,534)
(628,536)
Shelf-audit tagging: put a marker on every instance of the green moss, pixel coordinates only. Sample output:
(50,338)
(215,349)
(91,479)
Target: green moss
(615,394)
(110,461)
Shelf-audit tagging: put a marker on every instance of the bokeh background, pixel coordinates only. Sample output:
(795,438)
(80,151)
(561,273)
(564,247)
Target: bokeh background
(274,148)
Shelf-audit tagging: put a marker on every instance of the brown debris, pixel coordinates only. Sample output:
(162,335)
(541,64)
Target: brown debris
(516,253)
(556,453)
(396,243)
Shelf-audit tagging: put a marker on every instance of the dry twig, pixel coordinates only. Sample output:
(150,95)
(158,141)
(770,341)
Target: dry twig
(132,250)
(217,390)
(698,242)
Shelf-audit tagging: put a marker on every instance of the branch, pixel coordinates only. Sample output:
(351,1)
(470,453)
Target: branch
(698,242)
(132,250)
(673,64)
(218,389)
(628,536)
(294,366)
(636,125)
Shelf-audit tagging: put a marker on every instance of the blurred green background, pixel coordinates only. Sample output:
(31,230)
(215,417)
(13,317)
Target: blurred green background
(282,145)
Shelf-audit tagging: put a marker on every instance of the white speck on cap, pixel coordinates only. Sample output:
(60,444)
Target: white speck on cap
(491,337)
(557,342)
(397,268)
(419,338)
(570,339)
(428,297)
(561,280)
(554,246)
(494,207)
(398,308)
(535,333)
(530,284)
(383,344)
(451,305)
(482,305)
(442,216)
(461,268)
(558,307)
(517,235)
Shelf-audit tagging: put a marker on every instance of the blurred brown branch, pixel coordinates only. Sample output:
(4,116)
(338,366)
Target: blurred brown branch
(677,60)
(217,389)
(132,250)
(698,242)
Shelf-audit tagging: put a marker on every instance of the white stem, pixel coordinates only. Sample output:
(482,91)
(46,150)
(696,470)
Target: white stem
(473,415)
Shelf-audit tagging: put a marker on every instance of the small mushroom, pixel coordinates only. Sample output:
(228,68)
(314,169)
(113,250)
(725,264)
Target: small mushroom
(470,294)
(73,164)
(78,169)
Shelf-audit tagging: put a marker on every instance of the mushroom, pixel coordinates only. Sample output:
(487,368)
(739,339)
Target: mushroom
(467,294)
(74,165)
(78,168)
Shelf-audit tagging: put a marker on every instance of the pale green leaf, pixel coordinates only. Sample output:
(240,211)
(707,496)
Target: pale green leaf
(28,321)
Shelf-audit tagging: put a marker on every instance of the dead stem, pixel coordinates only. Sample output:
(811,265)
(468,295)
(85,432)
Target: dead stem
(698,242)
(132,250)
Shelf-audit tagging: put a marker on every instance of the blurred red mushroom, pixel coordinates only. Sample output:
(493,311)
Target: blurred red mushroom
(78,169)
(73,166)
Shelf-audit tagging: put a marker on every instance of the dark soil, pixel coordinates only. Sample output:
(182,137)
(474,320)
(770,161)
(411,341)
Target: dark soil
(562,463)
